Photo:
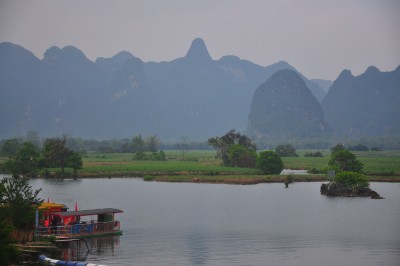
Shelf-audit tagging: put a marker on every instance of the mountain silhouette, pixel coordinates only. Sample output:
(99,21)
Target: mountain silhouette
(284,107)
(66,93)
(364,105)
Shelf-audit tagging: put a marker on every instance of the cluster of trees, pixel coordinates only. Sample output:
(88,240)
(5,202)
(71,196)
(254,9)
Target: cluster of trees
(237,150)
(29,160)
(9,147)
(140,144)
(362,147)
(349,169)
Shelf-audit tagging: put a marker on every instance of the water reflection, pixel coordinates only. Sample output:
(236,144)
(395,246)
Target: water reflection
(81,249)
(103,245)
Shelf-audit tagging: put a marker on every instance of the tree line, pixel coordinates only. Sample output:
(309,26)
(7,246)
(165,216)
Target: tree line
(138,143)
(28,159)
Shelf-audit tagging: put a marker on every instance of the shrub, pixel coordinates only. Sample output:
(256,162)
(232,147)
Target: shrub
(240,156)
(352,179)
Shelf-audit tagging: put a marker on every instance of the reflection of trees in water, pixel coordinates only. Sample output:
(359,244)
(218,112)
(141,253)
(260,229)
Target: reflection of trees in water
(103,245)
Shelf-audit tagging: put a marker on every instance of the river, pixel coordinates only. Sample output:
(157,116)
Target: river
(210,224)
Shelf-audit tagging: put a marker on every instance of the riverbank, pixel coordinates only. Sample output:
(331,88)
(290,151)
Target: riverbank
(221,178)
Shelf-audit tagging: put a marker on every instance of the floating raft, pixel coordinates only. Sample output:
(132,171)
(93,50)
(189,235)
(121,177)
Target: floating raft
(49,261)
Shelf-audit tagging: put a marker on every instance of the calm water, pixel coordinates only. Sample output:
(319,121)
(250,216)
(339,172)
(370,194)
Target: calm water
(265,224)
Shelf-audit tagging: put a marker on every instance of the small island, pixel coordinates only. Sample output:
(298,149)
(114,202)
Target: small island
(349,184)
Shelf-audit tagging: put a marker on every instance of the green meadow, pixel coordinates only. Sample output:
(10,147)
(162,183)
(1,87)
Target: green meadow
(202,166)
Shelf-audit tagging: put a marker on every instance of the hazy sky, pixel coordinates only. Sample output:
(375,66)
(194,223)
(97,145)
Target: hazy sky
(319,38)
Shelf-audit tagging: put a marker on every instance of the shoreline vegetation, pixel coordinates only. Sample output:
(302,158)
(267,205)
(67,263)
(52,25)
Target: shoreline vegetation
(202,167)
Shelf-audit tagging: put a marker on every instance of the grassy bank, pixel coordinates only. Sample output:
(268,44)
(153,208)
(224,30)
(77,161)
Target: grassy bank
(202,166)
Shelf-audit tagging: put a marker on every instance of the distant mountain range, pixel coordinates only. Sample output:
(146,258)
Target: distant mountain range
(193,96)
(364,105)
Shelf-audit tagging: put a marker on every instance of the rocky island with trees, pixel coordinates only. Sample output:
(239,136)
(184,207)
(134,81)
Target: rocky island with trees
(349,181)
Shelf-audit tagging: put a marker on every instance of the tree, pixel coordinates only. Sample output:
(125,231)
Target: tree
(344,160)
(74,161)
(269,162)
(240,156)
(19,201)
(55,153)
(26,161)
(286,150)
(222,144)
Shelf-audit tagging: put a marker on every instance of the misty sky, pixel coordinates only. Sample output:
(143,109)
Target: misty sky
(319,38)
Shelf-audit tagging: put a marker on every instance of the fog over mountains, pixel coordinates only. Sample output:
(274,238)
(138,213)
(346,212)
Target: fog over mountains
(193,96)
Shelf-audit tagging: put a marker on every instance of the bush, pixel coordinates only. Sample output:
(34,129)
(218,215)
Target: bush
(240,156)
(286,150)
(269,162)
(352,180)
(376,149)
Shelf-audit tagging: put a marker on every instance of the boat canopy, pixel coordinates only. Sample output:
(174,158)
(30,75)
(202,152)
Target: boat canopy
(88,212)
(51,206)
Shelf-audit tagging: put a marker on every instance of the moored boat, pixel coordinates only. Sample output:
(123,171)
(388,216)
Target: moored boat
(60,223)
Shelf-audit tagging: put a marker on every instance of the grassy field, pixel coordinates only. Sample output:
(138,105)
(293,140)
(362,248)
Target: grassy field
(383,163)
(202,166)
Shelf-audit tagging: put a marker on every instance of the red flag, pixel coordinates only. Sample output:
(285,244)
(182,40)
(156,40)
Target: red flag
(76,205)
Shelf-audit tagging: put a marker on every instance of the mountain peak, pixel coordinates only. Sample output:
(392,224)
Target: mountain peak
(286,97)
(68,54)
(198,51)
(345,74)
(372,70)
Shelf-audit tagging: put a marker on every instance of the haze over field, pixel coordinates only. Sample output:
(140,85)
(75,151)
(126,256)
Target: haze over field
(319,38)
